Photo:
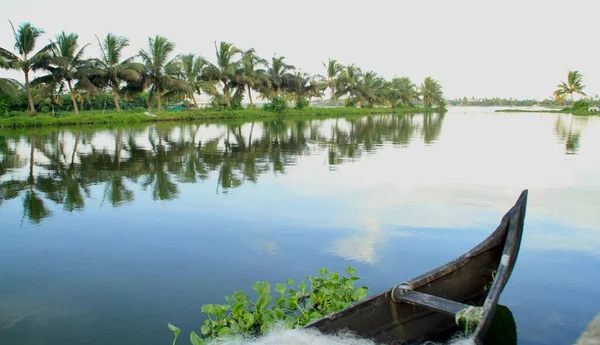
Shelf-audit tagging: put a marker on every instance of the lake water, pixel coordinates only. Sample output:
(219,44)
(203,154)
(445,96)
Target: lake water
(108,234)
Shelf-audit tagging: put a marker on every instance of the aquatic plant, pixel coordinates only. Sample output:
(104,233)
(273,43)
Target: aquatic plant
(291,305)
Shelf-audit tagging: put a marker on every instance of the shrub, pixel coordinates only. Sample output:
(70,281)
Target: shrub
(581,104)
(277,105)
(302,103)
(350,103)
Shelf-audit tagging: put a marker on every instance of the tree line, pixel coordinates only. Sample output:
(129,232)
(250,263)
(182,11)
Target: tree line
(158,73)
(563,95)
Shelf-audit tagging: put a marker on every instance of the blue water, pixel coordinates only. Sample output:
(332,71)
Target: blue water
(112,233)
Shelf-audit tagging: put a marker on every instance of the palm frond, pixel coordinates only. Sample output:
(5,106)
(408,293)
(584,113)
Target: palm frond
(9,87)
(8,55)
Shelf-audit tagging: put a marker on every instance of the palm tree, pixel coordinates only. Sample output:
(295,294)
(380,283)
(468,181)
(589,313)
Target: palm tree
(405,90)
(280,75)
(573,85)
(250,77)
(67,65)
(369,89)
(161,73)
(113,70)
(348,81)
(226,68)
(192,73)
(333,71)
(25,40)
(431,93)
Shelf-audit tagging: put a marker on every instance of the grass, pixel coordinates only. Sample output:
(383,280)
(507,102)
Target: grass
(93,117)
(578,112)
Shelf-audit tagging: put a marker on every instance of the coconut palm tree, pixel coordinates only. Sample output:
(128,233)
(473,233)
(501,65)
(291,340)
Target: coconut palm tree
(250,77)
(191,72)
(161,74)
(573,85)
(25,39)
(431,93)
(333,71)
(348,81)
(112,69)
(369,89)
(68,65)
(226,69)
(405,90)
(280,75)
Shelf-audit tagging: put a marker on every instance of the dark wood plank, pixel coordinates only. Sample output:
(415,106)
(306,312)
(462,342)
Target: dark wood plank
(435,303)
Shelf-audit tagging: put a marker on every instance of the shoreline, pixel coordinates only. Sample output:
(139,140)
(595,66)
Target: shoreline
(548,111)
(93,117)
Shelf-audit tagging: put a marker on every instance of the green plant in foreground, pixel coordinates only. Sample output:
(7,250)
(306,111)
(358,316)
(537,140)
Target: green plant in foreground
(292,305)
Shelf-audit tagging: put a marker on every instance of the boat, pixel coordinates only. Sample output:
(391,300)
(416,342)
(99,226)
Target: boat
(459,296)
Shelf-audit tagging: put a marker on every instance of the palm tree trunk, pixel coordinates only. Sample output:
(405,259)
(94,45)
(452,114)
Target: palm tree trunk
(158,100)
(250,97)
(73,97)
(29,98)
(116,98)
(572,101)
(331,89)
(194,101)
(227,100)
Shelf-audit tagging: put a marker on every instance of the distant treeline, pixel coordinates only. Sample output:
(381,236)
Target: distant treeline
(490,102)
(504,102)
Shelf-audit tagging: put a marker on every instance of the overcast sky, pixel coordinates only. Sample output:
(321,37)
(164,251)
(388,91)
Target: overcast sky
(519,49)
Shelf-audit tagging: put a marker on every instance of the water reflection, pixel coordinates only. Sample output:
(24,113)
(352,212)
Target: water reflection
(59,166)
(568,130)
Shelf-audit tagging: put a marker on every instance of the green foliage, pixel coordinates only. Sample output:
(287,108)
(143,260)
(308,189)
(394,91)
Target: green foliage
(581,104)
(293,305)
(236,101)
(277,105)
(350,102)
(302,103)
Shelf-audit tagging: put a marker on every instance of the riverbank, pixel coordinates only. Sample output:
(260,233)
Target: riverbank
(131,117)
(583,112)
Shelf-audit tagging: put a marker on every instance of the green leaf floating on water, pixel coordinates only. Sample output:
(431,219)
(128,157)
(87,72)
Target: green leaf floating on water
(280,288)
(175,330)
(207,308)
(195,339)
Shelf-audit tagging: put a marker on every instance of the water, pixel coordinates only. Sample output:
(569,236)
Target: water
(113,232)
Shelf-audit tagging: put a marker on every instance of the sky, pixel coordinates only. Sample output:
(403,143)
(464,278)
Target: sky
(519,49)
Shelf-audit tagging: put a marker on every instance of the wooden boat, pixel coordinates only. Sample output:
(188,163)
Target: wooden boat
(430,306)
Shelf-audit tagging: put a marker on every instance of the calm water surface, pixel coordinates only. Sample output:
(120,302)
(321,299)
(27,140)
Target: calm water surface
(108,234)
